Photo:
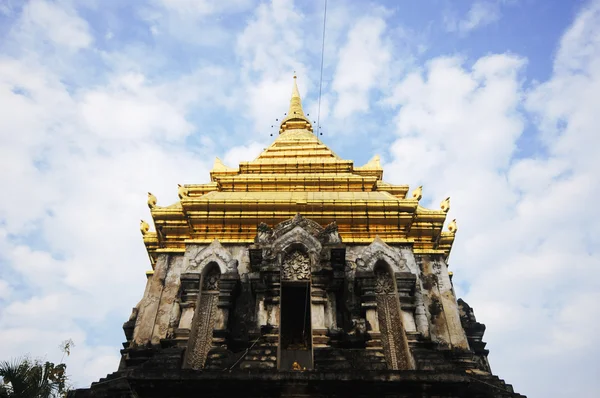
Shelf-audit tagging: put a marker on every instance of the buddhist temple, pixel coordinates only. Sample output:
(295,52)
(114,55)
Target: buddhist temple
(300,274)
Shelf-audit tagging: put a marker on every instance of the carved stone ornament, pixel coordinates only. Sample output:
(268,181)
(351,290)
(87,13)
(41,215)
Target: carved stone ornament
(378,250)
(383,283)
(215,252)
(296,267)
(211,280)
(263,233)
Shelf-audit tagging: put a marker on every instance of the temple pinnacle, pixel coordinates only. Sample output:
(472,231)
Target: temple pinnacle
(295,119)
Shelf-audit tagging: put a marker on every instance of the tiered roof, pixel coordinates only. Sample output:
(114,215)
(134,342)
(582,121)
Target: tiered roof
(297,174)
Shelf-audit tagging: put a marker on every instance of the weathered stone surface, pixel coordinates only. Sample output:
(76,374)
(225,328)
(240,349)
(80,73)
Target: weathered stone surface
(380,316)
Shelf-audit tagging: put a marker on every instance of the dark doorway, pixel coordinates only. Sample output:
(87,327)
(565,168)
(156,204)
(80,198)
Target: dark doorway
(296,332)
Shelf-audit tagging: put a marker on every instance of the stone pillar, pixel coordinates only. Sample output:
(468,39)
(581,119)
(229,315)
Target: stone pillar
(318,300)
(405,283)
(421,315)
(190,289)
(227,285)
(271,304)
(366,288)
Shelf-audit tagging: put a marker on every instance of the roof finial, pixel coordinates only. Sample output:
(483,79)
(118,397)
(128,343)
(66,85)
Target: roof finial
(295,119)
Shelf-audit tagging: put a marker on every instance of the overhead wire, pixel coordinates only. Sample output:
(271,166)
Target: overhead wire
(321,78)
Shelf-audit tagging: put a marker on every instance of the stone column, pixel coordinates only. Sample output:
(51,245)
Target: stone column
(318,300)
(366,288)
(271,304)
(405,284)
(421,314)
(227,285)
(190,289)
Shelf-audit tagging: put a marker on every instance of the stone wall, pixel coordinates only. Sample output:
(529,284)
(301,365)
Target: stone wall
(343,305)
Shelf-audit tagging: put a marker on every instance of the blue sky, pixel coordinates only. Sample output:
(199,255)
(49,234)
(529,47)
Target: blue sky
(490,102)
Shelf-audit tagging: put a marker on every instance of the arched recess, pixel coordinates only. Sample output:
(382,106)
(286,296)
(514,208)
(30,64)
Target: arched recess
(413,309)
(296,259)
(297,239)
(205,317)
(393,334)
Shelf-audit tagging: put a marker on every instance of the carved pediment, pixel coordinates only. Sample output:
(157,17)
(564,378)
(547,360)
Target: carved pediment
(215,252)
(297,235)
(378,250)
(267,235)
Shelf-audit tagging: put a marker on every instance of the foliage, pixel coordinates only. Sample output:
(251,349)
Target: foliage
(25,378)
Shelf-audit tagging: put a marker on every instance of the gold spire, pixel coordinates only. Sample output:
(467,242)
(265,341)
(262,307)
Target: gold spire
(295,119)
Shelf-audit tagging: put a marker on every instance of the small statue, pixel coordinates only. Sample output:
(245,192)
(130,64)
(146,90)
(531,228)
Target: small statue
(144,227)
(182,191)
(359,326)
(445,205)
(418,193)
(452,226)
(151,200)
(296,366)
(263,233)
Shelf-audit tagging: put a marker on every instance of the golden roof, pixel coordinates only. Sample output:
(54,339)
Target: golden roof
(297,173)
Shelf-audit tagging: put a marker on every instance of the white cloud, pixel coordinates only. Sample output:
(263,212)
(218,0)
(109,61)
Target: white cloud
(5,290)
(527,238)
(129,110)
(202,8)
(362,62)
(194,22)
(60,24)
(81,159)
(480,14)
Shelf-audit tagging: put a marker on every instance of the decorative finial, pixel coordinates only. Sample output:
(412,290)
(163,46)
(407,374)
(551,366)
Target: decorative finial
(452,226)
(144,227)
(151,200)
(445,205)
(418,193)
(182,191)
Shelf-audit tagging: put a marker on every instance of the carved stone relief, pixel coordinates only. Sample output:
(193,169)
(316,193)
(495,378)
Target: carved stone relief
(211,280)
(383,283)
(296,267)
(378,250)
(393,335)
(216,253)
(202,333)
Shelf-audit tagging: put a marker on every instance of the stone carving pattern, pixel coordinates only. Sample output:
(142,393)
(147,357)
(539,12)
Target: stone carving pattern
(215,252)
(393,337)
(296,267)
(311,227)
(211,280)
(383,283)
(205,322)
(392,332)
(380,251)
(297,235)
